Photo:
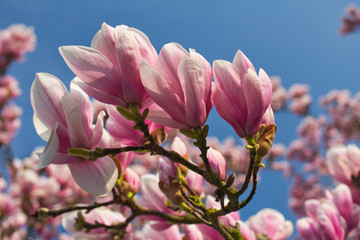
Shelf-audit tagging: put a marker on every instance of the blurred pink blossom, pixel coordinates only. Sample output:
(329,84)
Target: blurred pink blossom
(335,217)
(15,41)
(278,97)
(101,215)
(351,21)
(300,99)
(271,223)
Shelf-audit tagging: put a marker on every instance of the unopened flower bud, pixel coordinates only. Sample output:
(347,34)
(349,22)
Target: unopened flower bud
(231,179)
(266,140)
(172,192)
(43,213)
(159,135)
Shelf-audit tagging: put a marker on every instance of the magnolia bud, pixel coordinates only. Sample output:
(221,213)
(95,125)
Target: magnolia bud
(159,135)
(43,213)
(266,140)
(172,192)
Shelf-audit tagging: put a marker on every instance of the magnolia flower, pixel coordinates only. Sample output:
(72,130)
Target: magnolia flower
(344,162)
(271,223)
(335,217)
(180,84)
(109,69)
(64,119)
(241,97)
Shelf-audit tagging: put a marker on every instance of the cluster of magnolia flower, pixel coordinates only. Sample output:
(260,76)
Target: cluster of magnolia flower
(316,136)
(15,42)
(351,21)
(298,95)
(145,179)
(147,97)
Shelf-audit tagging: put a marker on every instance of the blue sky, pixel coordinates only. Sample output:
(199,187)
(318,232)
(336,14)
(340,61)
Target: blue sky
(296,39)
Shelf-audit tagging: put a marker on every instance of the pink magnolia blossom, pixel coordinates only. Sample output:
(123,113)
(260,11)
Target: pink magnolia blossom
(308,228)
(301,100)
(278,97)
(331,224)
(271,223)
(241,97)
(15,41)
(9,122)
(109,69)
(101,215)
(344,162)
(64,119)
(335,217)
(9,89)
(180,84)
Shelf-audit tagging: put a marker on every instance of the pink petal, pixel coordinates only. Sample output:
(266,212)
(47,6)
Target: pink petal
(167,65)
(65,158)
(162,94)
(228,112)
(93,67)
(161,117)
(99,95)
(311,207)
(330,222)
(242,63)
(267,86)
(77,133)
(132,46)
(255,101)
(354,157)
(206,70)
(46,93)
(308,228)
(83,101)
(343,201)
(104,42)
(97,131)
(41,129)
(96,178)
(52,147)
(193,84)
